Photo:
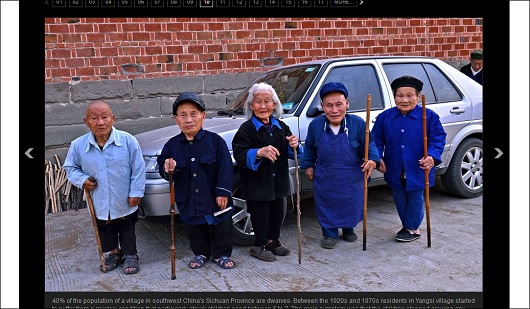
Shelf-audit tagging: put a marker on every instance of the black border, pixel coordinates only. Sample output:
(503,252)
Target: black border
(496,125)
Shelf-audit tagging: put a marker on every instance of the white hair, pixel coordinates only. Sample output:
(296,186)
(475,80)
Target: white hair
(262,87)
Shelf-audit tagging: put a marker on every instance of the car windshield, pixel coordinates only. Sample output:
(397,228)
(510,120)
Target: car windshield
(290,84)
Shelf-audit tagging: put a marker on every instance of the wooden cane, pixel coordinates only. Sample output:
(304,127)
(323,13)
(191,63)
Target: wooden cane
(298,207)
(95,224)
(366,144)
(172,218)
(425,154)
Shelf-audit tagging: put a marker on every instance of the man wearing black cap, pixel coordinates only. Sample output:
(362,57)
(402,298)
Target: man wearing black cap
(334,160)
(399,138)
(202,170)
(474,68)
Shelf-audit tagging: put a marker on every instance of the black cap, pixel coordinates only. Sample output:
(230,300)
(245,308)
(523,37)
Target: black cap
(188,97)
(476,54)
(406,81)
(333,87)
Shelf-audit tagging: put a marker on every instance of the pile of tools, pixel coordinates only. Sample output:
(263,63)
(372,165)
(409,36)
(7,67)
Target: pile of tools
(60,194)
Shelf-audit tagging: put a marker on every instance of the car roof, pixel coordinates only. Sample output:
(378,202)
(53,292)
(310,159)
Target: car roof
(339,59)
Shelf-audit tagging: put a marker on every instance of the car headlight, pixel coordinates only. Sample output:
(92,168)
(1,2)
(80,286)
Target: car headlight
(151,166)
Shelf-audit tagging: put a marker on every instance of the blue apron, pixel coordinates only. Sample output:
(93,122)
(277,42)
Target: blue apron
(338,183)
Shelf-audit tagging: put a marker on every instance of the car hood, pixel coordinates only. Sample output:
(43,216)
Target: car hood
(152,142)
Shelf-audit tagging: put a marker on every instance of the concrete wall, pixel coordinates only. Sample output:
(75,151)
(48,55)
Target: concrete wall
(139,105)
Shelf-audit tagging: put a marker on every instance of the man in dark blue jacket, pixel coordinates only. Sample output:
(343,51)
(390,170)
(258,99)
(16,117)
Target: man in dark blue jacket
(474,68)
(203,173)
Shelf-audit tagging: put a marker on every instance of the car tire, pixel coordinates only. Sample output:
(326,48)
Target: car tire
(243,233)
(463,177)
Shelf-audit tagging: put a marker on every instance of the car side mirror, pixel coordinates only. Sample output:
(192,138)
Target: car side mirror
(314,111)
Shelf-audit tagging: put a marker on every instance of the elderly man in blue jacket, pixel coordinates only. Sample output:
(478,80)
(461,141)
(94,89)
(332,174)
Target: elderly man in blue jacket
(334,160)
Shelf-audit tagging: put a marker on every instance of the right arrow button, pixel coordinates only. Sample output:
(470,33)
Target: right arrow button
(499,153)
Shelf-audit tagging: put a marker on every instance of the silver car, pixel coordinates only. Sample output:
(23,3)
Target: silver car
(456,98)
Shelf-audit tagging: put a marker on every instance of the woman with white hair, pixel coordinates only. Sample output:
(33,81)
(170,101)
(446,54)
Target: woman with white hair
(262,146)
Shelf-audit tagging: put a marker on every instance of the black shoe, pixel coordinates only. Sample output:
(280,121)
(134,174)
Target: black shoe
(262,253)
(328,242)
(350,237)
(401,232)
(407,236)
(277,249)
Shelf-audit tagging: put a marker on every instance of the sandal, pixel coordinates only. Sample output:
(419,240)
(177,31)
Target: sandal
(198,260)
(112,261)
(131,265)
(224,262)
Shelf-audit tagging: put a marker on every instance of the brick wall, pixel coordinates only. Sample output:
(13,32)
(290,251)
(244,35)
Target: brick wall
(126,48)
(139,65)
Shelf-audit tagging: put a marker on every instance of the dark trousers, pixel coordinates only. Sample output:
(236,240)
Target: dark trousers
(266,218)
(211,240)
(119,233)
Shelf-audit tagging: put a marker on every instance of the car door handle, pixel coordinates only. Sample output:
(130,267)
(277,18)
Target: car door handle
(457,110)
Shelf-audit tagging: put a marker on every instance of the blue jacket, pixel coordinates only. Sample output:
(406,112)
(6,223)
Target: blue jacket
(399,139)
(118,168)
(353,125)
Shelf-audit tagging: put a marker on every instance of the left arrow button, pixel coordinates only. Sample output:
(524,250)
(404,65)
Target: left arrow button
(27,153)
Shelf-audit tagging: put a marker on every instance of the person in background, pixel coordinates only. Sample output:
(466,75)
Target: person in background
(334,160)
(399,139)
(261,147)
(109,163)
(474,68)
(203,178)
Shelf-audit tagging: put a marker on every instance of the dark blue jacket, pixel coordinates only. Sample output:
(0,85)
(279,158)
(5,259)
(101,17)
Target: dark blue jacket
(262,180)
(204,171)
(467,70)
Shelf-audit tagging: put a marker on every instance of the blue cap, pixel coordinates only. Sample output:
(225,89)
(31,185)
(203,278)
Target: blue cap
(333,87)
(188,97)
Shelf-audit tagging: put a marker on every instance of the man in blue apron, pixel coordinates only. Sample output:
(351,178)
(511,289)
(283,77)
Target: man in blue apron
(334,160)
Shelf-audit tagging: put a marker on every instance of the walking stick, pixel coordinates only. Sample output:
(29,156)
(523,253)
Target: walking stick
(298,208)
(95,224)
(172,218)
(366,144)
(425,154)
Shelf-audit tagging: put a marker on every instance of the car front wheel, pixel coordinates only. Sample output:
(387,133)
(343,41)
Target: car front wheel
(242,226)
(463,178)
